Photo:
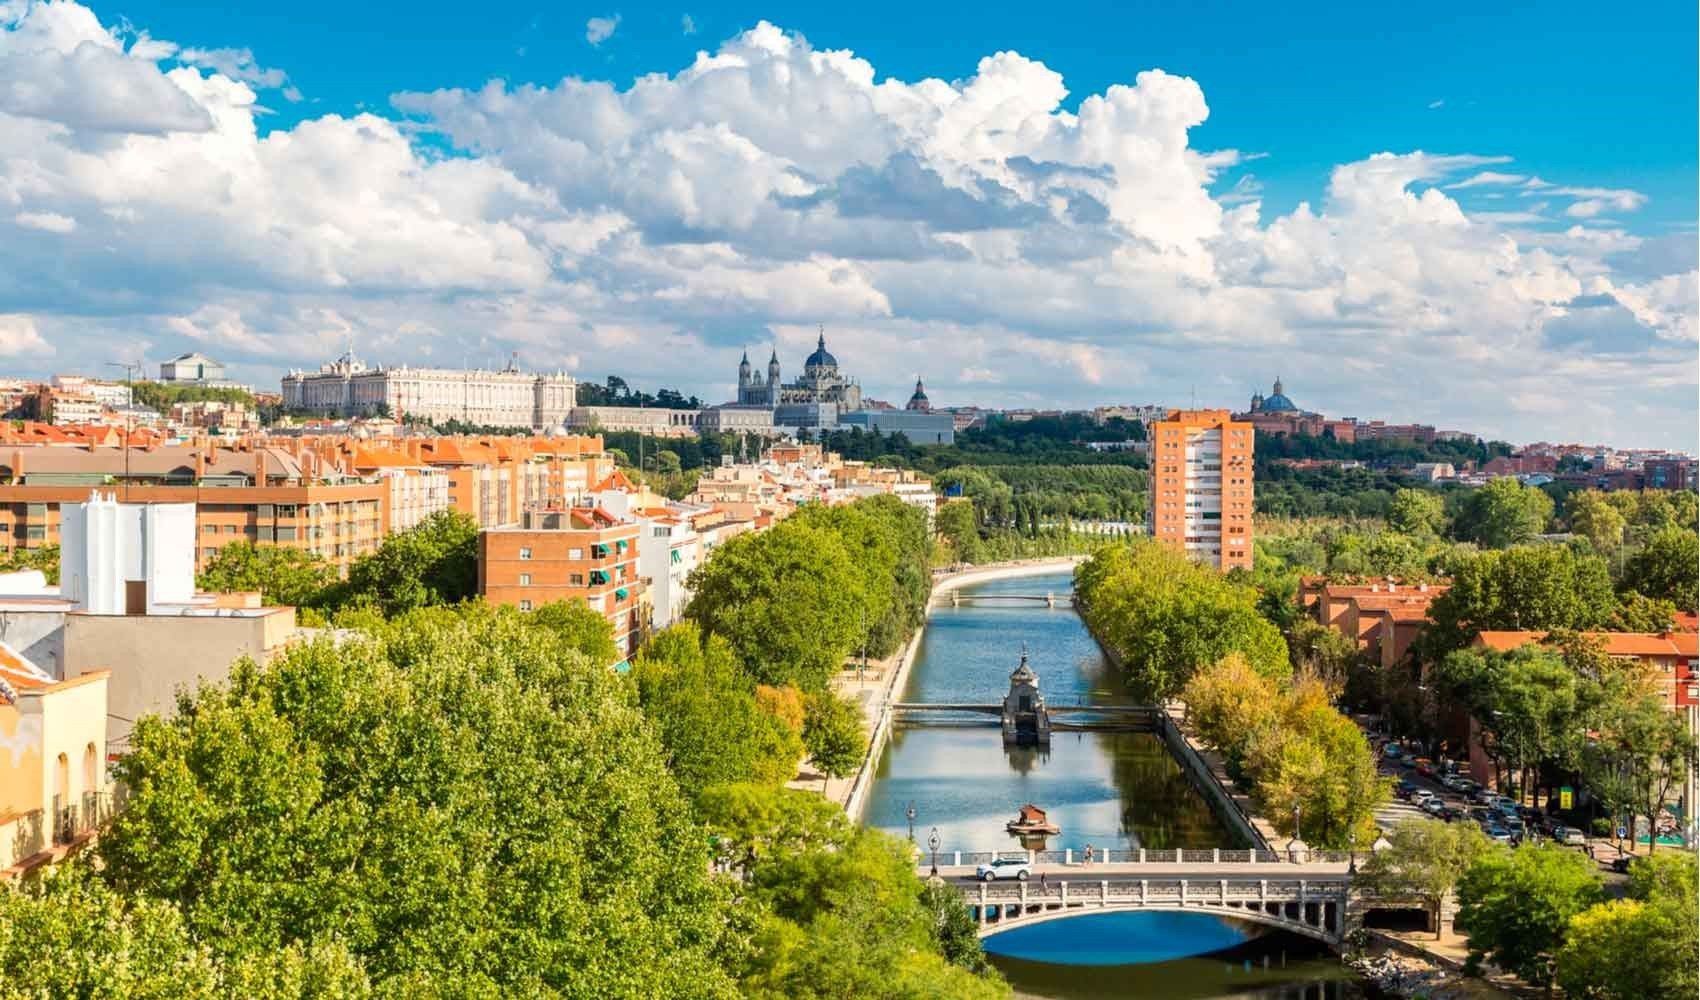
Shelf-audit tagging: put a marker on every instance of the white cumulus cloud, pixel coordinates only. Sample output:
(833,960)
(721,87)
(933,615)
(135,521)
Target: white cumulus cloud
(1010,242)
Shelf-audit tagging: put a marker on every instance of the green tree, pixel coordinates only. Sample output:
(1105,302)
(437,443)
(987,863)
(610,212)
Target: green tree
(462,799)
(1667,566)
(434,563)
(1504,513)
(1527,587)
(1424,858)
(955,523)
(832,733)
(1163,617)
(1516,907)
(1645,947)
(1416,512)
(706,711)
(1594,517)
(581,628)
(281,575)
(790,600)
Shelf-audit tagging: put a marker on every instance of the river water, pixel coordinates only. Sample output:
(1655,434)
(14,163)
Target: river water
(1108,789)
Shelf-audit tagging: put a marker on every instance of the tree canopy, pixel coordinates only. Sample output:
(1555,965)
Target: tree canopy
(1164,617)
(1516,906)
(1504,512)
(459,799)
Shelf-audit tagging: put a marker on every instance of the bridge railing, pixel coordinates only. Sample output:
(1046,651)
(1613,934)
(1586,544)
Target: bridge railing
(1138,856)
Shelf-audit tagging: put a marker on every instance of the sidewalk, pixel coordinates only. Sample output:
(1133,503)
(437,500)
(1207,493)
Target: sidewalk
(870,691)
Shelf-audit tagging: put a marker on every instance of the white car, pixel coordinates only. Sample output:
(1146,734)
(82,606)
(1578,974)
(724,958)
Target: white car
(1569,835)
(1016,868)
(1421,796)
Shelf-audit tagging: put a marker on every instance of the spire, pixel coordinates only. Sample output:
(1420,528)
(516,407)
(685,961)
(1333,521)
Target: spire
(1278,391)
(821,343)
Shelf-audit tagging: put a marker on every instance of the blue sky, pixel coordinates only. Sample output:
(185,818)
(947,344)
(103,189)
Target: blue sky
(1480,219)
(1601,101)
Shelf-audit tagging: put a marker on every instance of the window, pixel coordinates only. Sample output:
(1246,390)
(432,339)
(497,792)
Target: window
(525,552)
(525,579)
(230,529)
(211,529)
(286,533)
(576,579)
(525,605)
(575,553)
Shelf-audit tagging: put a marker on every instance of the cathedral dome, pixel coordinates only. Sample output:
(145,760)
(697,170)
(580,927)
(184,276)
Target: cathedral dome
(1278,401)
(821,358)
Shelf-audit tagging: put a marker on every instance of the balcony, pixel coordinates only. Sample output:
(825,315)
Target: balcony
(73,819)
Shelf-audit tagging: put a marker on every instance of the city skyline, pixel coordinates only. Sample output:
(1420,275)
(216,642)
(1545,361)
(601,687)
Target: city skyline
(1015,238)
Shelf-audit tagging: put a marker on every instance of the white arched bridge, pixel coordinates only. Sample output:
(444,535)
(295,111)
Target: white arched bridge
(1314,899)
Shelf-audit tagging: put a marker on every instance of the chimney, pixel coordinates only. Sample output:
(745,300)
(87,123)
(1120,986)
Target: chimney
(200,465)
(259,467)
(1422,588)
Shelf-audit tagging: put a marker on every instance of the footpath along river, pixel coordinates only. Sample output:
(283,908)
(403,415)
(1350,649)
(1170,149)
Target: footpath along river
(1107,789)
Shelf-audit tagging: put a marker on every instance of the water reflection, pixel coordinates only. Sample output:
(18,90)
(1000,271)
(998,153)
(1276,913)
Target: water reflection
(1188,956)
(1118,790)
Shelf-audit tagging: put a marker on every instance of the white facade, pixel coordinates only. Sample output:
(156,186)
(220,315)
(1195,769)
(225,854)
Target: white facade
(507,398)
(105,547)
(415,494)
(1203,496)
(641,419)
(192,367)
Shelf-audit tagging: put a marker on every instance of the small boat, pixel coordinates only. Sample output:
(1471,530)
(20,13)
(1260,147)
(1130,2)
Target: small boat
(1031,820)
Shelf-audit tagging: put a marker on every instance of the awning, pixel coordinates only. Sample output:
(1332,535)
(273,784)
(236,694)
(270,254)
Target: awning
(620,544)
(676,557)
(621,593)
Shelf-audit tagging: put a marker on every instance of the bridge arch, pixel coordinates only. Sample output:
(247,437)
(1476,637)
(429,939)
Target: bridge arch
(1251,914)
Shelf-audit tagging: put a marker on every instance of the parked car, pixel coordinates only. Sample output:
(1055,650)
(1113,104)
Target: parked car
(1421,795)
(1016,868)
(1434,806)
(1569,836)
(1481,814)
(1496,832)
(1390,751)
(1486,796)
(1455,783)
(1425,767)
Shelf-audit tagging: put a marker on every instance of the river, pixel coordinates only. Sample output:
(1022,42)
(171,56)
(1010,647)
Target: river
(1107,789)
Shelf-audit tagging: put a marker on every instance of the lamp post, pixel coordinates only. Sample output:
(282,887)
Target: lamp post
(933,843)
(1352,841)
(1296,835)
(910,812)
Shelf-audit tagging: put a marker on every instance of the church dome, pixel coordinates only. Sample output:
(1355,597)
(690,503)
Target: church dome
(821,358)
(1277,401)
(919,400)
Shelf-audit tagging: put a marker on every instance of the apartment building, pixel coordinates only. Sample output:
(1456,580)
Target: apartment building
(572,553)
(257,494)
(53,781)
(1201,487)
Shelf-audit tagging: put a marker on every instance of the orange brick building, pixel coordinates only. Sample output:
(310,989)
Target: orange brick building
(261,495)
(1201,487)
(575,553)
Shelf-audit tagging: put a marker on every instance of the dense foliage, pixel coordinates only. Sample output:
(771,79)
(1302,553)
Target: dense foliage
(1645,947)
(1516,907)
(161,396)
(796,600)
(1163,617)
(1294,750)
(45,559)
(434,563)
(467,803)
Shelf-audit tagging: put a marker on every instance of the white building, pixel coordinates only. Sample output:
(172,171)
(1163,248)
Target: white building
(118,559)
(506,398)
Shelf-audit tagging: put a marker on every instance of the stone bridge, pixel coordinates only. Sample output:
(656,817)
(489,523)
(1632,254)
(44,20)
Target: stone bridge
(1313,898)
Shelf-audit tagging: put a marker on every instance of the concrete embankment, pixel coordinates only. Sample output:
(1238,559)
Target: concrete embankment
(854,793)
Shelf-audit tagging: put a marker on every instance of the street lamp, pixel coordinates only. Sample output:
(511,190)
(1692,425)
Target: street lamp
(1352,842)
(933,843)
(910,812)
(1296,823)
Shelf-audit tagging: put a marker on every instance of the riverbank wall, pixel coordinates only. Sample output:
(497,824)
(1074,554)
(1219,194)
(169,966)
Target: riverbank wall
(856,799)
(1204,768)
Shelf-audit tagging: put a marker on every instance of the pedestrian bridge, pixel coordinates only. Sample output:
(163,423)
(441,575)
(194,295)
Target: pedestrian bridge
(958,599)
